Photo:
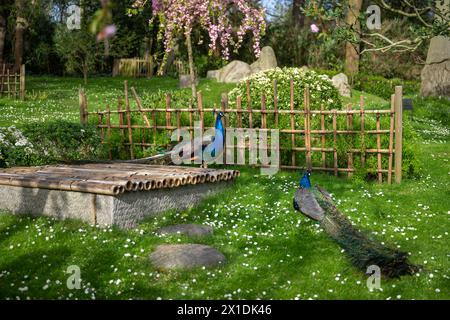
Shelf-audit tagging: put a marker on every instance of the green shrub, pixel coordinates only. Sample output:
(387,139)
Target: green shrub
(383,87)
(322,92)
(49,142)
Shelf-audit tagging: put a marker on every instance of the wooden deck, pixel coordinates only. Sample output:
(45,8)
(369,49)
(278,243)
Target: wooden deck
(112,178)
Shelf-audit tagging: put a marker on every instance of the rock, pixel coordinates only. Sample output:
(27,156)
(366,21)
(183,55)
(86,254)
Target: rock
(190,230)
(435,75)
(234,72)
(185,81)
(185,256)
(304,68)
(340,81)
(267,60)
(212,74)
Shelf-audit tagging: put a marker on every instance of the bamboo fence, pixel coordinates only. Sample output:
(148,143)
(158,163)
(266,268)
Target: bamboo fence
(12,83)
(133,67)
(313,139)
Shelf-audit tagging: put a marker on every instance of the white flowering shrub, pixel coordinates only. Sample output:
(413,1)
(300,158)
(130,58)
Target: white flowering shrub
(14,147)
(320,87)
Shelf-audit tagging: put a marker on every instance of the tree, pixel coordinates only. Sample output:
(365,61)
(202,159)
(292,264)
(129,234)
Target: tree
(179,17)
(21,24)
(351,66)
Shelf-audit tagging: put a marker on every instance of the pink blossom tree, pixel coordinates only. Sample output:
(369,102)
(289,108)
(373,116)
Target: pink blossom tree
(182,16)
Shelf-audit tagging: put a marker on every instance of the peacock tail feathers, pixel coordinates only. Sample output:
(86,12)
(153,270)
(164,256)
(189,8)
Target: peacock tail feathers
(362,249)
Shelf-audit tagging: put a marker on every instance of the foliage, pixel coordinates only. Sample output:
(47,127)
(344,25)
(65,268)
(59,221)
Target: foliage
(321,89)
(49,142)
(383,87)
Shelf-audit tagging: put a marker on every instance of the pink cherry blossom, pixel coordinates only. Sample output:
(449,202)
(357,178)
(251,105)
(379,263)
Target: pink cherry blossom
(314,28)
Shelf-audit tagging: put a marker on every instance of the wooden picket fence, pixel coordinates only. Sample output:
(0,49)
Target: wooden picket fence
(12,83)
(134,67)
(150,127)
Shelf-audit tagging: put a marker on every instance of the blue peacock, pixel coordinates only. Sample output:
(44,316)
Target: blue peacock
(213,144)
(363,250)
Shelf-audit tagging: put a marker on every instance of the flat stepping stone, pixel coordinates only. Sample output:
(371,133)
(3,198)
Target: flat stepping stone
(185,256)
(190,230)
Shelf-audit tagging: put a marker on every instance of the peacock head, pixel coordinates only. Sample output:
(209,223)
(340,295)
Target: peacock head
(305,182)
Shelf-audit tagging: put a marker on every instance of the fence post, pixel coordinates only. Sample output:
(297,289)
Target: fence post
(83,106)
(307,128)
(398,133)
(22,82)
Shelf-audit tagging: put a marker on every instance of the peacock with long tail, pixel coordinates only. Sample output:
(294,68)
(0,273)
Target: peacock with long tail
(215,145)
(362,249)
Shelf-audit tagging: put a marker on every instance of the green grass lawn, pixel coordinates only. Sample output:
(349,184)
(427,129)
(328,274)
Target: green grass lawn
(273,252)
(50,98)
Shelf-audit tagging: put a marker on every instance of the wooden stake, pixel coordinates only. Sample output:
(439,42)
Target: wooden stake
(307,128)
(200,110)
(398,133)
(130,130)
(335,159)
(391,138)
(249,105)
(363,146)
(108,123)
(323,137)
(292,121)
(239,111)
(275,102)
(380,175)
(263,112)
(22,82)
(350,127)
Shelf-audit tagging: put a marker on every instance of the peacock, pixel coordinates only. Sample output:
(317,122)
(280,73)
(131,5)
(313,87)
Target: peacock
(362,249)
(214,144)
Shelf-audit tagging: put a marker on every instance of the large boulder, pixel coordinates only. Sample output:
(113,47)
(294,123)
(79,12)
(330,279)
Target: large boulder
(267,60)
(436,73)
(234,72)
(340,81)
(185,81)
(212,74)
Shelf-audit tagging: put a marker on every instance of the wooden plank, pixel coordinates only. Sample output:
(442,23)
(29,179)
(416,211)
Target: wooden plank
(398,133)
(391,139)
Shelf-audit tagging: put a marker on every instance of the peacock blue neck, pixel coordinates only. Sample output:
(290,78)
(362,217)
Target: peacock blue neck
(305,182)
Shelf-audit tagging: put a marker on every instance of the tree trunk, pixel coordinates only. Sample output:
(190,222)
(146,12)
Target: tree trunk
(85,72)
(352,49)
(21,23)
(2,36)
(298,18)
(191,65)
